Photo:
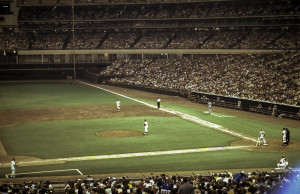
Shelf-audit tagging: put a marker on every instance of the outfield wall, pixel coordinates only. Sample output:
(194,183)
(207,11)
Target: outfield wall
(262,107)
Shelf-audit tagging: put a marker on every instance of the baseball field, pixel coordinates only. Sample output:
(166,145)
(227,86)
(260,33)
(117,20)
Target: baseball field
(74,129)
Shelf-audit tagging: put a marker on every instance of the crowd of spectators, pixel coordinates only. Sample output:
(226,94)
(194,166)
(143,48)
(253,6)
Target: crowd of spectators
(30,187)
(85,39)
(183,39)
(54,26)
(288,40)
(188,39)
(240,182)
(161,11)
(10,41)
(46,13)
(258,39)
(215,183)
(48,41)
(170,15)
(267,77)
(153,40)
(225,39)
(119,40)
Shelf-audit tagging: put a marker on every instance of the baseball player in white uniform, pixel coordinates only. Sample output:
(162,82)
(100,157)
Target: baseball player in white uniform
(283,163)
(146,127)
(262,135)
(209,107)
(13,166)
(283,137)
(118,105)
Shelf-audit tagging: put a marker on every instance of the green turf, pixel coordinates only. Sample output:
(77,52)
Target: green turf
(32,95)
(232,159)
(244,125)
(77,138)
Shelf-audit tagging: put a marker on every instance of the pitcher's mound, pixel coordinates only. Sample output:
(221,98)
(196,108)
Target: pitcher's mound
(119,133)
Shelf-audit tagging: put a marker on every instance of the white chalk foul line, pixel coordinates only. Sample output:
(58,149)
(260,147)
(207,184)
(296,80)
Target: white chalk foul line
(48,171)
(182,115)
(217,115)
(128,155)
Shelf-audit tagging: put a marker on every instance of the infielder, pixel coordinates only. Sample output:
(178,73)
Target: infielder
(262,135)
(118,105)
(146,127)
(209,107)
(13,166)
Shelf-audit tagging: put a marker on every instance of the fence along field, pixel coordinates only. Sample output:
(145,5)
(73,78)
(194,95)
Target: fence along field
(90,110)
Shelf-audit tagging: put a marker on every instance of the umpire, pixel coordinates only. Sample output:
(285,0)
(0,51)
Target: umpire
(158,102)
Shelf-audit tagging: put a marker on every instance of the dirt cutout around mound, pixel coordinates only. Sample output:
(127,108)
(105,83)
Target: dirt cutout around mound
(119,133)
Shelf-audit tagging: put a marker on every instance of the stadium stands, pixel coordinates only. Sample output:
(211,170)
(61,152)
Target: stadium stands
(184,39)
(267,77)
(117,40)
(85,39)
(225,182)
(217,25)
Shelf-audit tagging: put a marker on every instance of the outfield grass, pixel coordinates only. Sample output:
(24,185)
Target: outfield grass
(71,138)
(36,95)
